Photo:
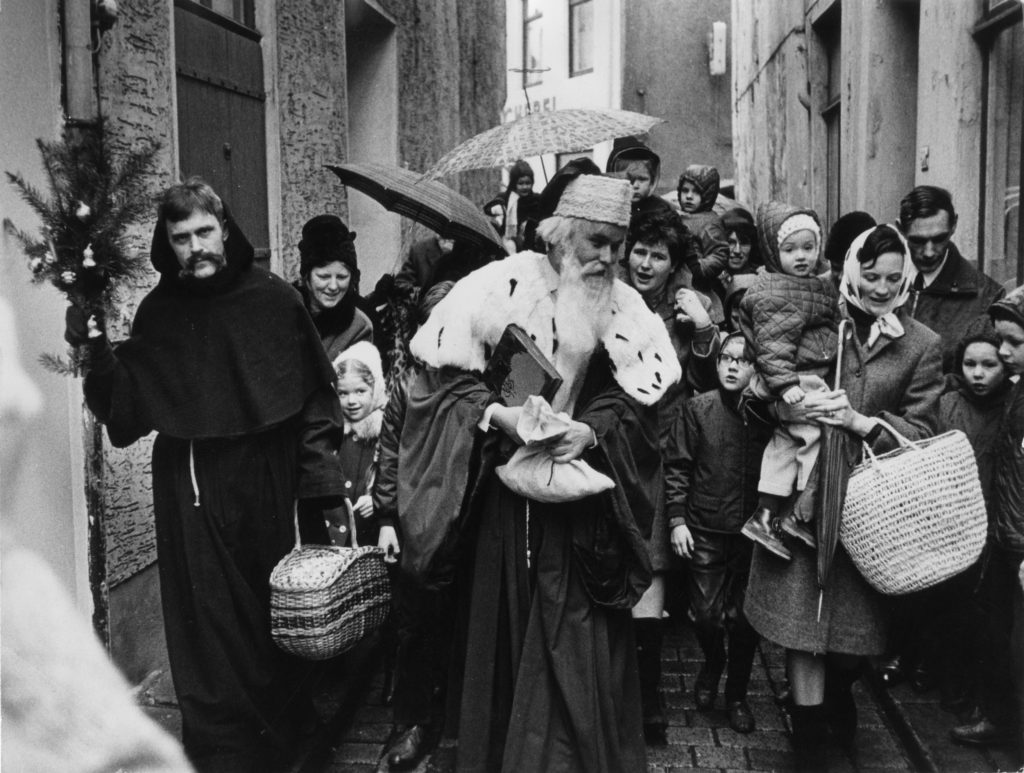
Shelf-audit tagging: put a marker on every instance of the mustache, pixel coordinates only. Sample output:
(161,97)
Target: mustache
(197,257)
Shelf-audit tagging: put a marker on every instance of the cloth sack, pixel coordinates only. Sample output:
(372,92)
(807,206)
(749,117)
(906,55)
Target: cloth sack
(915,516)
(532,473)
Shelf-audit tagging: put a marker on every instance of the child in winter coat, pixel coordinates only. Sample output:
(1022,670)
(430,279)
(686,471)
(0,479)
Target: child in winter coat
(360,389)
(711,471)
(791,317)
(946,627)
(697,192)
(1001,713)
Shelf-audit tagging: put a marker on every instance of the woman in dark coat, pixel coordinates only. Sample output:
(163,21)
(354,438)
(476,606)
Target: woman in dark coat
(329,284)
(654,252)
(891,370)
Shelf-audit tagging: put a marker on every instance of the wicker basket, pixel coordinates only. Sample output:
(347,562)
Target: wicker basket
(915,516)
(324,599)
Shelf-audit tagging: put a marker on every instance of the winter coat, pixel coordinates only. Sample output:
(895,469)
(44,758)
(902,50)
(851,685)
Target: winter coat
(709,234)
(790,321)
(385,486)
(981,420)
(713,463)
(958,296)
(1009,485)
(900,381)
(339,327)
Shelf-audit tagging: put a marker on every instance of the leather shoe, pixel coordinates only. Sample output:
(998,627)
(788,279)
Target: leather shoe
(762,529)
(408,748)
(800,530)
(741,719)
(984,732)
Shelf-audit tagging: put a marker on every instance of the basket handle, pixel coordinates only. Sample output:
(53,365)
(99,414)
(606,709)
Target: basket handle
(904,441)
(351,524)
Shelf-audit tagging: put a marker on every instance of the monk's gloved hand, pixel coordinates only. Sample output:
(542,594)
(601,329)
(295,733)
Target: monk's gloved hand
(80,329)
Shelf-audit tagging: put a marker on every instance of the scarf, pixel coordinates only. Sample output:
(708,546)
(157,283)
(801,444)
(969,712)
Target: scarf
(887,323)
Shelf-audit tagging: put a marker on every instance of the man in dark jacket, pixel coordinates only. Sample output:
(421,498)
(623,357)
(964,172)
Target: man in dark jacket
(224,363)
(949,293)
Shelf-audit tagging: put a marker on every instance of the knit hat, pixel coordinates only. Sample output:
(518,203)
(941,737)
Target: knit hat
(841,236)
(771,217)
(325,239)
(798,222)
(600,199)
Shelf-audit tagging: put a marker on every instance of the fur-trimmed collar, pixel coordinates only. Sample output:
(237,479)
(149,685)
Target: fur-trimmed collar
(464,327)
(366,429)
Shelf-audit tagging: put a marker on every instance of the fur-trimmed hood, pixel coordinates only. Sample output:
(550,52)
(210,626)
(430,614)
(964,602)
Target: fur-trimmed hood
(464,327)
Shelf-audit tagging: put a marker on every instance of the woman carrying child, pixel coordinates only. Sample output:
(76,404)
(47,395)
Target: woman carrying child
(711,470)
(891,370)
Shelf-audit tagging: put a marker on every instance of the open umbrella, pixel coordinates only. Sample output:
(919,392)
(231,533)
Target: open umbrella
(553,131)
(833,477)
(429,202)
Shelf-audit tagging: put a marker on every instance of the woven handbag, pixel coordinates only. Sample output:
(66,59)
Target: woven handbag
(324,598)
(914,516)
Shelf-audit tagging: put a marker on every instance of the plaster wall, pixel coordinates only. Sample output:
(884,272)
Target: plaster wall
(949,110)
(665,74)
(771,118)
(879,46)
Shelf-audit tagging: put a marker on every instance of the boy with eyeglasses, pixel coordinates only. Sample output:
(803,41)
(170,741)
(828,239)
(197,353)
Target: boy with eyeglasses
(712,466)
(949,293)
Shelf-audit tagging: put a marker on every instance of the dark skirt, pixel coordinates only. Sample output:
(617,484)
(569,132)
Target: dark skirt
(782,604)
(234,686)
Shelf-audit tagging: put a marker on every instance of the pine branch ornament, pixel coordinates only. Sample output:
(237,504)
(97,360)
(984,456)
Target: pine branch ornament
(82,248)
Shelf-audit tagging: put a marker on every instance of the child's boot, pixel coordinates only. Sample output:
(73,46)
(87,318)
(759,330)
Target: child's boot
(761,528)
(802,530)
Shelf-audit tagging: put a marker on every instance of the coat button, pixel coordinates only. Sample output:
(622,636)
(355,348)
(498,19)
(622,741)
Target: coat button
(348,484)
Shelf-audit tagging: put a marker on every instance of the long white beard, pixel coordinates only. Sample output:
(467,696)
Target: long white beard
(582,315)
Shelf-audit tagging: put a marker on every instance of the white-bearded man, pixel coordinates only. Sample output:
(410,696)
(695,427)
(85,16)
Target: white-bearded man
(549,678)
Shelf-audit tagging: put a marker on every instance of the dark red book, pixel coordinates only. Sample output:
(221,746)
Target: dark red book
(518,369)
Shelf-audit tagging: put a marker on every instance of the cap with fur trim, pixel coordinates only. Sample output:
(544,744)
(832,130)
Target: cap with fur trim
(599,199)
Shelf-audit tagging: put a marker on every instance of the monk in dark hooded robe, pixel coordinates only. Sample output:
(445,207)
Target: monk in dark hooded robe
(549,678)
(224,363)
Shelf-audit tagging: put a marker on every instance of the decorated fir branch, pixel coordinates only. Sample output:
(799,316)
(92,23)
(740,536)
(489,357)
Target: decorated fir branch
(95,194)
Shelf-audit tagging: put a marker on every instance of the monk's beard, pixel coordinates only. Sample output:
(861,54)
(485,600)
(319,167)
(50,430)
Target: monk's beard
(582,315)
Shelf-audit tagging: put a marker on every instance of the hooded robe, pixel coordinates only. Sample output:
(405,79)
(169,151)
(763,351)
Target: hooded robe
(230,373)
(550,680)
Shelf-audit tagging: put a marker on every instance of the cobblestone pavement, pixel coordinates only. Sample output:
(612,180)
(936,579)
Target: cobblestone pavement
(697,741)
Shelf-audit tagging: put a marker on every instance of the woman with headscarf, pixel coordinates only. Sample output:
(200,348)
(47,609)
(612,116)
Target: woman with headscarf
(329,284)
(891,370)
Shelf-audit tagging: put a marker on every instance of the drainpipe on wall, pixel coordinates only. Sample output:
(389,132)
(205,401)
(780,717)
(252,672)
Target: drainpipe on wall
(81,110)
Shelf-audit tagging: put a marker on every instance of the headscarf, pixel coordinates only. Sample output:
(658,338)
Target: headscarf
(367,428)
(887,324)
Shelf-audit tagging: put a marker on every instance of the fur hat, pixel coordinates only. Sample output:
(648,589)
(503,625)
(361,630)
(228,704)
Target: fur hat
(596,198)
(841,236)
(325,239)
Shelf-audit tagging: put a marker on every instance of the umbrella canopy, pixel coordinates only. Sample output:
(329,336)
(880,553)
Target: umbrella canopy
(554,131)
(833,477)
(429,202)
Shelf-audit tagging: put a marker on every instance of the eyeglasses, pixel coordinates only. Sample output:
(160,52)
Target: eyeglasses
(728,359)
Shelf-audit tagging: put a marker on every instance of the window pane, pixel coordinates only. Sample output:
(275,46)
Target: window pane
(532,39)
(581,37)
(1003,259)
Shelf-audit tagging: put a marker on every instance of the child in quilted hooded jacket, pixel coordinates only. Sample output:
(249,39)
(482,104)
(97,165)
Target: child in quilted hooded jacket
(790,315)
